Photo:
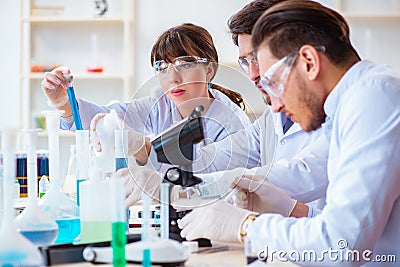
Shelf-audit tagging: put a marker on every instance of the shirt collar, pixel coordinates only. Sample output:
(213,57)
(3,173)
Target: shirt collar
(352,76)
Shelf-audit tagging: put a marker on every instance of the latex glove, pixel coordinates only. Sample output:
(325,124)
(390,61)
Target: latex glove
(141,180)
(263,196)
(55,86)
(219,184)
(211,222)
(136,141)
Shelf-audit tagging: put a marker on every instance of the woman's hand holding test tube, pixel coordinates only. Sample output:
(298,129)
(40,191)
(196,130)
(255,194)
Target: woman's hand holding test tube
(55,86)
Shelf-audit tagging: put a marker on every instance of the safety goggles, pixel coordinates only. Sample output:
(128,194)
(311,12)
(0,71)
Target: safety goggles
(273,81)
(180,64)
(244,62)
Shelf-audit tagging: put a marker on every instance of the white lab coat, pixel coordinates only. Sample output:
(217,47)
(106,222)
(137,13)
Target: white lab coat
(152,115)
(299,158)
(363,125)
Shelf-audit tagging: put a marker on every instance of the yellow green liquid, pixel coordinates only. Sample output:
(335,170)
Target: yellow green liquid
(95,231)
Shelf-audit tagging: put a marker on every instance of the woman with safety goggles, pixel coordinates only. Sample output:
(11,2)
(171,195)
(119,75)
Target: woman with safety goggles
(185,62)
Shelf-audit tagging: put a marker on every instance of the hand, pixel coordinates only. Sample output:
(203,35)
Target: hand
(55,86)
(139,181)
(142,180)
(263,196)
(136,141)
(211,222)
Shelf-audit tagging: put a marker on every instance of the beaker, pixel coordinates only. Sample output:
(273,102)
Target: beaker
(15,249)
(55,203)
(33,223)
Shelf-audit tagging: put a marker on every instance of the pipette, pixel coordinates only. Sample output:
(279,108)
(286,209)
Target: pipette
(15,250)
(33,223)
(74,105)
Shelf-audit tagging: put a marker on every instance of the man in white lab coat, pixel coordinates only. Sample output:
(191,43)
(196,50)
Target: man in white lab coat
(299,158)
(311,68)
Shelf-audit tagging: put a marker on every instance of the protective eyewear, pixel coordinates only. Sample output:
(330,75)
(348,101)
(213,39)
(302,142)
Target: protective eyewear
(273,81)
(244,62)
(180,64)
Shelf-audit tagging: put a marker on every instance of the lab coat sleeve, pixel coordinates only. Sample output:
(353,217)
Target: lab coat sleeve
(236,150)
(240,149)
(131,112)
(303,177)
(364,176)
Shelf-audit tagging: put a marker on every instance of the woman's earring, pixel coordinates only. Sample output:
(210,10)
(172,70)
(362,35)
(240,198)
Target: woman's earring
(209,86)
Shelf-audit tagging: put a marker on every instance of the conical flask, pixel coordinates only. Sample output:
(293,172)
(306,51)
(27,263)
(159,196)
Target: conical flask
(33,222)
(15,249)
(55,203)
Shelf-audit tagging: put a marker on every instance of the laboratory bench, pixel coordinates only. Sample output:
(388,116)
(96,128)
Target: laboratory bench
(231,255)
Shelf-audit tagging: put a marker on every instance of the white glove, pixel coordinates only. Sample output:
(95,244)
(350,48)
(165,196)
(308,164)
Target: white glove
(55,86)
(263,196)
(136,141)
(141,180)
(219,221)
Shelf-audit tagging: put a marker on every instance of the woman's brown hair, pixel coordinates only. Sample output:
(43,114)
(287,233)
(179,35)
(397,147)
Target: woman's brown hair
(189,39)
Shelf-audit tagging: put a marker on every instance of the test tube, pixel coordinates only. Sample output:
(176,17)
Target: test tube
(82,159)
(121,149)
(53,124)
(146,261)
(119,239)
(164,197)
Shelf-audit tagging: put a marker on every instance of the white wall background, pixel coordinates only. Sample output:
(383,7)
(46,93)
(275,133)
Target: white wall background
(9,63)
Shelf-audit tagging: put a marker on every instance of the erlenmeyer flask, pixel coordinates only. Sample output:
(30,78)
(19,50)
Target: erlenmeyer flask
(15,249)
(55,203)
(33,223)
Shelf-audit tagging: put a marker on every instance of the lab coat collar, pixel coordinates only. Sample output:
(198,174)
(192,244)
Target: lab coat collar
(352,76)
(277,117)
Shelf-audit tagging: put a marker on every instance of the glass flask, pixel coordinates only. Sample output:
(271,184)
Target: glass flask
(17,250)
(55,203)
(33,223)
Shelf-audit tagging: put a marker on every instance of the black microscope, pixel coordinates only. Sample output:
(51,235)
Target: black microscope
(175,146)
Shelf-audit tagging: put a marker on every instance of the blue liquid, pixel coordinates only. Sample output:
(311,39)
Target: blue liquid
(121,163)
(41,238)
(68,230)
(78,181)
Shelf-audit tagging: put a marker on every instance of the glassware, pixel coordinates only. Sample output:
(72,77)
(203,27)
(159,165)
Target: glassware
(33,223)
(55,203)
(82,158)
(17,250)
(69,186)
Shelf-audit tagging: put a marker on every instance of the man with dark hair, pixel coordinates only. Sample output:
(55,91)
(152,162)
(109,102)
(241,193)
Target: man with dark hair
(310,66)
(302,172)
